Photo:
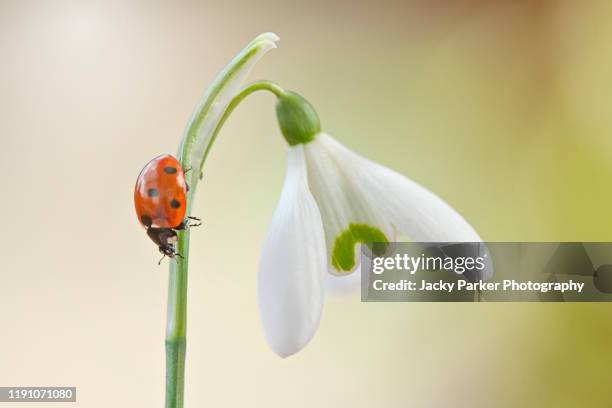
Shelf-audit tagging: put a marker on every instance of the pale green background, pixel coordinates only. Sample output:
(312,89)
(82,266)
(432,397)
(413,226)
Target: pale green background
(501,108)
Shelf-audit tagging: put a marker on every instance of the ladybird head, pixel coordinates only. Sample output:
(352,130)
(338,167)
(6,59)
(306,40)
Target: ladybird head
(165,239)
(168,250)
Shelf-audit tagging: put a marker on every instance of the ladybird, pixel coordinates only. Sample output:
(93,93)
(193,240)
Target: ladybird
(160,198)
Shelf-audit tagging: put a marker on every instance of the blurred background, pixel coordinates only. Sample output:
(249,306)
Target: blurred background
(500,107)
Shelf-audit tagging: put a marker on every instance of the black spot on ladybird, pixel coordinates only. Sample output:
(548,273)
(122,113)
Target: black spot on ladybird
(170,170)
(152,192)
(175,203)
(146,220)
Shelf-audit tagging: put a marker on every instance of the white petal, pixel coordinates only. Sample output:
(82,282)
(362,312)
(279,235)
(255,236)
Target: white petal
(339,199)
(337,286)
(292,264)
(223,88)
(412,209)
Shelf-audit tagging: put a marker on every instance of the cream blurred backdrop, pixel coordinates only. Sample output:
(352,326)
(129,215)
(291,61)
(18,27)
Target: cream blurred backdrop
(502,108)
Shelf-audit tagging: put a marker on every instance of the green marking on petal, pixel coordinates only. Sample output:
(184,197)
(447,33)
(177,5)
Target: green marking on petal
(343,254)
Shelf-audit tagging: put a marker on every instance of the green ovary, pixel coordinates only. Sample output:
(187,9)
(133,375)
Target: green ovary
(343,254)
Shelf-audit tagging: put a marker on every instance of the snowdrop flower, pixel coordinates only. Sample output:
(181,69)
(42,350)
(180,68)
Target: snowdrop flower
(333,199)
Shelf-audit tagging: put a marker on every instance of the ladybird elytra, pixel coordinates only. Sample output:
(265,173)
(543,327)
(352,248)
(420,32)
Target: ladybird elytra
(160,193)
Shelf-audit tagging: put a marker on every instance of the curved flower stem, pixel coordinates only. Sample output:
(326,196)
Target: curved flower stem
(254,87)
(176,329)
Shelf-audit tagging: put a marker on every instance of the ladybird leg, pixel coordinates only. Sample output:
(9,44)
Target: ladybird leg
(197,220)
(185,172)
(185,224)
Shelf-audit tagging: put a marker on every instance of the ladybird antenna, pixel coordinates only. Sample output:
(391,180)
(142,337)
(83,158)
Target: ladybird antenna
(160,261)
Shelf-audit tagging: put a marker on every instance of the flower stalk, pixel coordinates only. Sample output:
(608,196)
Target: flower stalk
(219,100)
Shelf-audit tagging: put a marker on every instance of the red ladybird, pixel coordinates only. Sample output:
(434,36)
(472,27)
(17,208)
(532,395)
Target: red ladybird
(160,198)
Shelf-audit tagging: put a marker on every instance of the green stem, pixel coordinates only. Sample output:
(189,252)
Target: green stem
(176,328)
(254,87)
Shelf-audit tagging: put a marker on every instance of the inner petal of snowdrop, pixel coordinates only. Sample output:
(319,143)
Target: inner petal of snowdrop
(348,217)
